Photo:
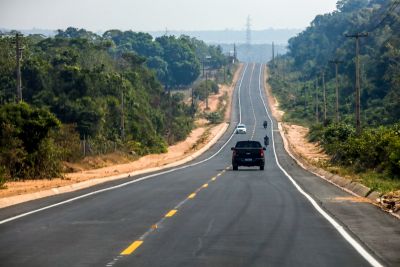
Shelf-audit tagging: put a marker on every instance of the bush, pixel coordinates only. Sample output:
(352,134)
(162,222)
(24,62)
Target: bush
(25,147)
(200,90)
(68,142)
(375,149)
(3,178)
(214,117)
(316,132)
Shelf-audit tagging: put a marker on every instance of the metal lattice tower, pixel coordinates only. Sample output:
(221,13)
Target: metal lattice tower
(248,37)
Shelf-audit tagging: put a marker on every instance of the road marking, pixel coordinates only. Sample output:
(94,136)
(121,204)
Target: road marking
(129,250)
(136,180)
(151,229)
(170,213)
(252,106)
(240,103)
(365,254)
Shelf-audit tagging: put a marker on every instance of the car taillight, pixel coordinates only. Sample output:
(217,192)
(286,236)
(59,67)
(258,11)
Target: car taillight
(261,152)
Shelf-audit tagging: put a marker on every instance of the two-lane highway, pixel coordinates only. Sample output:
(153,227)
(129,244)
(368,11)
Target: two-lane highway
(201,214)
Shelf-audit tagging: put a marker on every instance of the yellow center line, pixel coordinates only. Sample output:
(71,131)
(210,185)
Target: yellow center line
(129,250)
(171,213)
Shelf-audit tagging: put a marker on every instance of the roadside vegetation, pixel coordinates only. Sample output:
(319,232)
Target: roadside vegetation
(86,94)
(298,80)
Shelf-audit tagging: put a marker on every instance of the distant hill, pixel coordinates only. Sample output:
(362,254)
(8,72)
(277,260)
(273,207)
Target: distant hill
(45,32)
(279,36)
(260,53)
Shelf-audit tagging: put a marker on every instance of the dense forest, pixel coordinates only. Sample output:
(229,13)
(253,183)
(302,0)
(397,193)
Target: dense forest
(108,90)
(304,80)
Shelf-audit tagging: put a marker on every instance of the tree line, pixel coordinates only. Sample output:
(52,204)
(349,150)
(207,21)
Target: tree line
(106,88)
(305,81)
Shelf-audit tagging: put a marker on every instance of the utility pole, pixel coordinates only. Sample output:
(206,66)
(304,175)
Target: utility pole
(203,65)
(324,95)
(224,73)
(122,110)
(192,102)
(18,51)
(234,53)
(206,90)
(273,54)
(316,101)
(357,36)
(305,96)
(337,62)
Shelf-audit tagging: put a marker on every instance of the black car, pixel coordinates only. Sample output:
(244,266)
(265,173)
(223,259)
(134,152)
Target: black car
(248,153)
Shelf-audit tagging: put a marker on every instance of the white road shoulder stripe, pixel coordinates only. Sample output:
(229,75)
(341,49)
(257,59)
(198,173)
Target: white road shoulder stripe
(130,182)
(365,254)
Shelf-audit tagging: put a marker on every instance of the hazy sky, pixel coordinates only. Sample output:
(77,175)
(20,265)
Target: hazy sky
(148,15)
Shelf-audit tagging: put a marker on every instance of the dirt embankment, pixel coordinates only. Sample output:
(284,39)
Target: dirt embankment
(114,164)
(313,154)
(295,134)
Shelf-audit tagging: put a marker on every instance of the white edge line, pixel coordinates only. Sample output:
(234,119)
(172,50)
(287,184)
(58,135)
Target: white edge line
(367,256)
(240,86)
(130,182)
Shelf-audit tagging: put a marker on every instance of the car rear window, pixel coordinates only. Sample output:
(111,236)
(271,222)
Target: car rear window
(251,144)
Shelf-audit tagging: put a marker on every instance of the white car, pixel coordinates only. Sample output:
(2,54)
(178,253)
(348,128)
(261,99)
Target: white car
(241,128)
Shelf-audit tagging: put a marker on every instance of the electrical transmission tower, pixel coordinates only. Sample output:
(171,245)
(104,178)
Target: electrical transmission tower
(248,37)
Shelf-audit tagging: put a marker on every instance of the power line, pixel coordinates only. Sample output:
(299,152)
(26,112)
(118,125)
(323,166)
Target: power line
(391,8)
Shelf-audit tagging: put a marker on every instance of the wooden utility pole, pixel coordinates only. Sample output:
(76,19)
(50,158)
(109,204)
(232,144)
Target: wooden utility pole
(324,95)
(357,36)
(305,96)
(192,102)
(206,90)
(273,54)
(18,52)
(337,62)
(234,53)
(316,101)
(203,65)
(224,73)
(122,110)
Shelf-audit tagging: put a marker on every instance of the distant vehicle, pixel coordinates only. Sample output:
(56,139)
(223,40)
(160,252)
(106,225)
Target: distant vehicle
(241,129)
(265,124)
(266,140)
(248,153)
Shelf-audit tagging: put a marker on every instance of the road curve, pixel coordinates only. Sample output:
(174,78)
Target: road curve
(205,214)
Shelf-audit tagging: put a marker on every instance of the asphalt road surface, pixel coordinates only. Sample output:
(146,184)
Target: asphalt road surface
(205,214)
